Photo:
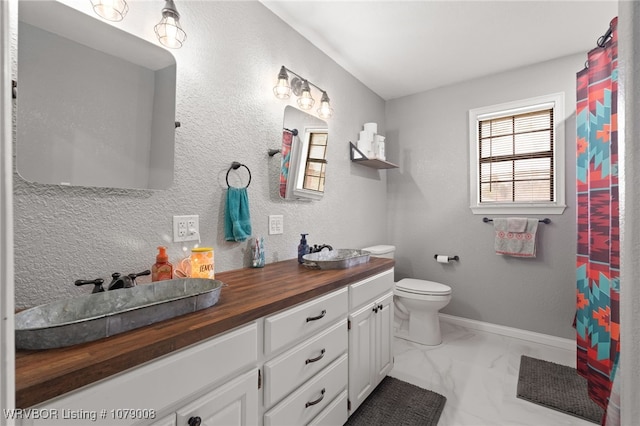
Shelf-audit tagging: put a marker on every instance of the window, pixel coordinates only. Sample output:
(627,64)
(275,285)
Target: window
(310,172)
(316,162)
(517,157)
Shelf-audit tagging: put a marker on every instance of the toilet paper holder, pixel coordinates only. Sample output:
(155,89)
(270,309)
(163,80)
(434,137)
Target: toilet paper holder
(449,258)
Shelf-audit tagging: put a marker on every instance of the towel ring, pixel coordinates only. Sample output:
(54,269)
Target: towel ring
(235,166)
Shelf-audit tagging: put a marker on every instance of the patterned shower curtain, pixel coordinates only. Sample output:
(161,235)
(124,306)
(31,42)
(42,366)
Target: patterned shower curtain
(598,251)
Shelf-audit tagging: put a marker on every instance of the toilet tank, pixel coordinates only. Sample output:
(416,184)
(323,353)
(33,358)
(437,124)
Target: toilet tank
(381,251)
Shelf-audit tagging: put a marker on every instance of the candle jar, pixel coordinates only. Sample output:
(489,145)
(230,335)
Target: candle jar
(201,262)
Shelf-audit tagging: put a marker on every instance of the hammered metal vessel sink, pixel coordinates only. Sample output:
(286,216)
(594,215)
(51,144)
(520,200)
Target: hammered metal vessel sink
(94,316)
(336,259)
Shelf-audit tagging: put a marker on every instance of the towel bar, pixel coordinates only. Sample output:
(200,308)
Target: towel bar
(546,220)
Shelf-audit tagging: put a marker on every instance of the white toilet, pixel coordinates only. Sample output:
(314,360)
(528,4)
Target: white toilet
(420,300)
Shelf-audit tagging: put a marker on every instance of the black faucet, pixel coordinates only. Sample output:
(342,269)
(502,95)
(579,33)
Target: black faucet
(316,248)
(126,281)
(117,281)
(97,283)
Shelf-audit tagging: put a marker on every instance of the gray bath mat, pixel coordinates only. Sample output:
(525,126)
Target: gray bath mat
(396,403)
(558,387)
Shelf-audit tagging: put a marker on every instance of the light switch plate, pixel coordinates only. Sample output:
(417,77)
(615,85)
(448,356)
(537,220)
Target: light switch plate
(276,224)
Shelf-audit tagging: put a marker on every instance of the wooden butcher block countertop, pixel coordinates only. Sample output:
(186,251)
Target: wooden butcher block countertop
(250,294)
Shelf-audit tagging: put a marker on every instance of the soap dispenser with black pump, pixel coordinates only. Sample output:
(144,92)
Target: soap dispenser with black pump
(303,247)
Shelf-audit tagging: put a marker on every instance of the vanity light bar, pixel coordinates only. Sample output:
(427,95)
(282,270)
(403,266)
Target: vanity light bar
(168,30)
(300,87)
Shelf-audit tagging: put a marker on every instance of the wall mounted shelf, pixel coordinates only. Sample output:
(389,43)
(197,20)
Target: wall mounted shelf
(358,157)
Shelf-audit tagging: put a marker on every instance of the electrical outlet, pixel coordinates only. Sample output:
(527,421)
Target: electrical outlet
(186,228)
(276,224)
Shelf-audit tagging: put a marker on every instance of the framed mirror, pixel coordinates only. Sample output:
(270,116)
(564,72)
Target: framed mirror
(304,155)
(95,104)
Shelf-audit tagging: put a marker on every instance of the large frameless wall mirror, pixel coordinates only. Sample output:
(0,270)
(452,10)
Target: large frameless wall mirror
(304,156)
(95,104)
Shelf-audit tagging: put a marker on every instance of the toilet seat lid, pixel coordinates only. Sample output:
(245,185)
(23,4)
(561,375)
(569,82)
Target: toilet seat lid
(412,285)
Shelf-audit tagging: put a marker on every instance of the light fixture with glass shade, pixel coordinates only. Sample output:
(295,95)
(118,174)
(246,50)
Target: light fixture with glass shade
(111,10)
(168,30)
(325,111)
(305,100)
(301,88)
(282,90)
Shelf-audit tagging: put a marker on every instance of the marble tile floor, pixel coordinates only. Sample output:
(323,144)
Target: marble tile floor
(477,372)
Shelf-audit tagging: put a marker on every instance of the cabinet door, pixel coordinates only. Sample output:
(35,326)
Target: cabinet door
(384,337)
(361,354)
(170,420)
(234,403)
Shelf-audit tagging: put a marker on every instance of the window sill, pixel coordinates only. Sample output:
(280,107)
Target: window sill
(519,209)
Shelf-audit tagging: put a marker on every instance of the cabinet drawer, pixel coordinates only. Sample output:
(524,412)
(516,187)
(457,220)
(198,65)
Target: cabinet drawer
(370,288)
(309,400)
(297,322)
(336,413)
(288,371)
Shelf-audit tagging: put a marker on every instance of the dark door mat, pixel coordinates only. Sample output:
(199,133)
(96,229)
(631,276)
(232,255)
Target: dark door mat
(558,387)
(396,403)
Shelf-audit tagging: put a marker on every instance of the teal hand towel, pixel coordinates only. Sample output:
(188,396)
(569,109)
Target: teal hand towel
(237,222)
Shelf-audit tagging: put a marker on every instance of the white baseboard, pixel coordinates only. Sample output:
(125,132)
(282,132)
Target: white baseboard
(544,339)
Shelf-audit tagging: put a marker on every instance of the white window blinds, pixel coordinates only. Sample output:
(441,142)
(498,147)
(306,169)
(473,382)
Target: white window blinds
(314,171)
(516,158)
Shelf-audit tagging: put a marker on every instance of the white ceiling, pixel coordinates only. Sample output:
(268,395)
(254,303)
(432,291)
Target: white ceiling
(399,47)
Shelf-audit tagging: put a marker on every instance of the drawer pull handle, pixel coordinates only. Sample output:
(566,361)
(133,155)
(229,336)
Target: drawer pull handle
(322,314)
(318,358)
(310,403)
(194,421)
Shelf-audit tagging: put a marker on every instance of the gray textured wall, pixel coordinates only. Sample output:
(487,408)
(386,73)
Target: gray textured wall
(429,205)
(226,72)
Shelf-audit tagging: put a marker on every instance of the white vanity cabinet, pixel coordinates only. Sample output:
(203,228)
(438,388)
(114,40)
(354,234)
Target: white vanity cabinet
(308,381)
(151,393)
(310,364)
(370,335)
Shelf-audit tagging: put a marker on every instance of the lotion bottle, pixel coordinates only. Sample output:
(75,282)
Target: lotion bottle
(303,247)
(162,269)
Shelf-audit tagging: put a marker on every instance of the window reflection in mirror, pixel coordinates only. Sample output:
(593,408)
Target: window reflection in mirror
(304,156)
(95,104)
(312,175)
